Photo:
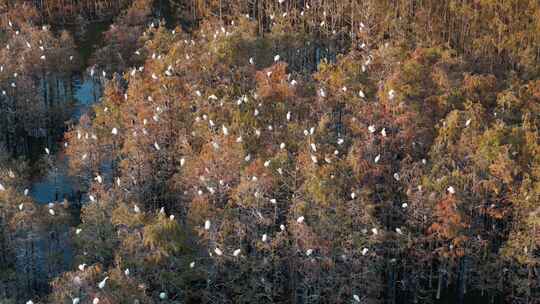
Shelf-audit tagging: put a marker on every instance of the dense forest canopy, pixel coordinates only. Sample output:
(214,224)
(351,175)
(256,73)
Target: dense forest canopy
(271,151)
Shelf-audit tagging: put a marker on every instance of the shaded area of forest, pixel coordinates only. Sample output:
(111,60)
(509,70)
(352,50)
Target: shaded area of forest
(274,152)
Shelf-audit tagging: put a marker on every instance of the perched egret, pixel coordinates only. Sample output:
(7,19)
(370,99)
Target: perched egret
(101,284)
(365,251)
(207,225)
(218,251)
(264,238)
(300,220)
(451,190)
(237,252)
(81,267)
(162,295)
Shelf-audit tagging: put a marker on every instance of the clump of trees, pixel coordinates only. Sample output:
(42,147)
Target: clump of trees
(308,152)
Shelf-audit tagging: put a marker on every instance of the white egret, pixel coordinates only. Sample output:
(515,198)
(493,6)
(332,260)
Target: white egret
(101,284)
(218,251)
(207,225)
(451,190)
(300,220)
(237,252)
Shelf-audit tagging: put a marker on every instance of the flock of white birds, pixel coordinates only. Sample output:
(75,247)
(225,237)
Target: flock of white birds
(226,132)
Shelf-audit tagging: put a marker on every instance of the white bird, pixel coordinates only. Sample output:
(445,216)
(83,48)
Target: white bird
(282,146)
(114,131)
(365,251)
(282,227)
(192,264)
(356,298)
(225,130)
(361,94)
(375,231)
(218,251)
(78,231)
(47,151)
(76,301)
(313,147)
(126,272)
(468,122)
(398,230)
(309,252)
(162,295)
(156,146)
(377,158)
(29,302)
(82,266)
(391,94)
(2,188)
(300,220)
(383,132)
(251,61)
(276,58)
(267,163)
(372,129)
(451,190)
(314,159)
(340,141)
(92,198)
(207,225)
(136,209)
(237,252)
(51,212)
(288,116)
(264,238)
(353,195)
(396,176)
(99,179)
(21,206)
(404,205)
(182,162)
(95,301)
(101,284)
(171,217)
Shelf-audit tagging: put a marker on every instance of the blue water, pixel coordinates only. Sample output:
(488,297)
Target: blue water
(57,183)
